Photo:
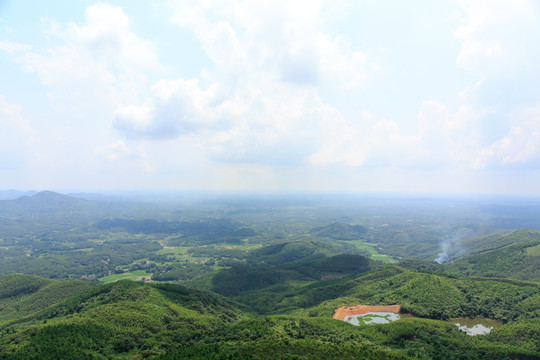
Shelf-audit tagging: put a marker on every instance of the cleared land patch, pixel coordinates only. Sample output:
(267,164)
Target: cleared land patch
(344,311)
(372,318)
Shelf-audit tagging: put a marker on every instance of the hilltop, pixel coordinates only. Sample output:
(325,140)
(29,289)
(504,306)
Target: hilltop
(23,295)
(515,255)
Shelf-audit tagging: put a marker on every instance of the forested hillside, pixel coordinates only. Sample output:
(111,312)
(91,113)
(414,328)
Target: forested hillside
(261,279)
(515,255)
(127,319)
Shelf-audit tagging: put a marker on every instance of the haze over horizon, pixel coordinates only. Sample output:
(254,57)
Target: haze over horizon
(359,96)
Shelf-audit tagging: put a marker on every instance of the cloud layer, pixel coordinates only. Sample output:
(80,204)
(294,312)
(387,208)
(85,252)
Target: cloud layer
(278,88)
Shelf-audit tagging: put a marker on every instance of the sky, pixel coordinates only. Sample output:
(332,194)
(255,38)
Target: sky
(365,96)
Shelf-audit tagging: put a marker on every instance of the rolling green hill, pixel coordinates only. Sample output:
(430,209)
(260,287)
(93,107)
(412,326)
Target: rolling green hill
(287,337)
(264,283)
(240,279)
(128,320)
(499,240)
(420,294)
(282,253)
(515,255)
(23,295)
(318,287)
(122,318)
(341,231)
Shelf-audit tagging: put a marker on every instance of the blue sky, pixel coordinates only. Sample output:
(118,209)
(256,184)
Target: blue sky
(364,96)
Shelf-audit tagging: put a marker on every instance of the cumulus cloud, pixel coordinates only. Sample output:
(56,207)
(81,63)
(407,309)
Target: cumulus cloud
(439,139)
(498,46)
(283,87)
(246,126)
(89,69)
(282,129)
(176,107)
(286,38)
(92,65)
(262,102)
(519,148)
(483,130)
(383,143)
(107,34)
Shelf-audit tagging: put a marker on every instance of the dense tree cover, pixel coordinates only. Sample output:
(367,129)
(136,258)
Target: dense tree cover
(338,265)
(19,284)
(180,271)
(422,265)
(119,318)
(281,253)
(287,338)
(475,245)
(422,294)
(239,279)
(518,261)
(282,296)
(341,231)
(23,295)
(127,319)
(524,334)
(203,232)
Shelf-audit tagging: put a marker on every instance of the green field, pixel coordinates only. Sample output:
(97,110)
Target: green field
(374,254)
(534,251)
(134,275)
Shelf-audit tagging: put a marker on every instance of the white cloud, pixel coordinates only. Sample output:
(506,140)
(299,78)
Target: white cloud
(270,126)
(499,37)
(285,38)
(365,143)
(13,48)
(12,117)
(89,69)
(16,135)
(520,147)
(119,152)
(281,89)
(262,102)
(96,64)
(499,47)
(107,35)
(440,139)
(176,107)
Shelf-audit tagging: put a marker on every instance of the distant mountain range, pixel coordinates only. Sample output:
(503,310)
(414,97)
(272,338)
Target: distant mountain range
(47,204)
(15,194)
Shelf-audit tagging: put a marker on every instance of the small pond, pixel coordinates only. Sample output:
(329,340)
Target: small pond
(372,318)
(478,326)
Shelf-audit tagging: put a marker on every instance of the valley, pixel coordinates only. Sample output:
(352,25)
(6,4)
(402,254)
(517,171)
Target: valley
(262,276)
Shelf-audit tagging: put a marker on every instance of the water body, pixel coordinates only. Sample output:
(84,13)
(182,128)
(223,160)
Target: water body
(372,318)
(473,327)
